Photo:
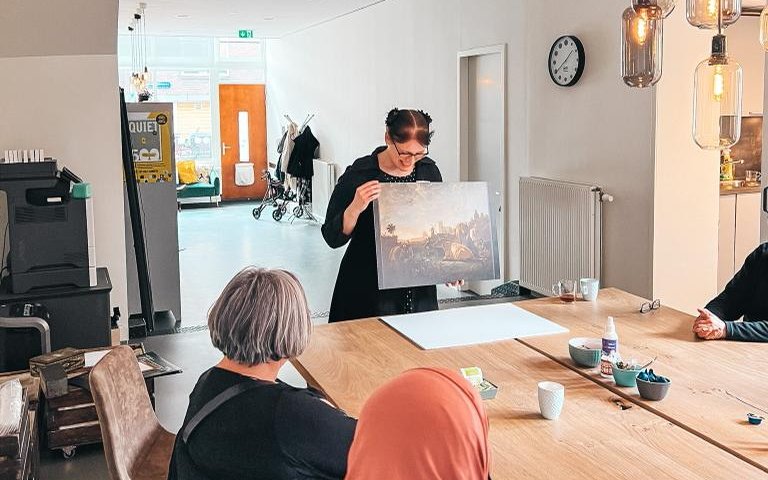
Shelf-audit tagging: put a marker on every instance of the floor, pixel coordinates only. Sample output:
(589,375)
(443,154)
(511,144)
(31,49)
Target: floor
(215,243)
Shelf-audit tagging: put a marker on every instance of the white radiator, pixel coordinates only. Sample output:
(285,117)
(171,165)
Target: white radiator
(323,183)
(561,232)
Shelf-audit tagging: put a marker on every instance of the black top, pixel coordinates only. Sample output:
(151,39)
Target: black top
(270,432)
(746,295)
(300,164)
(357,293)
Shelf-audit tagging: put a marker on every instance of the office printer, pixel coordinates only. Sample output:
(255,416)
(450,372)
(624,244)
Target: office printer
(47,227)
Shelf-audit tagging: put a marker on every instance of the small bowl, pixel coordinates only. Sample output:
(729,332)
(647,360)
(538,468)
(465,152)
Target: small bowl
(652,390)
(585,357)
(754,419)
(625,378)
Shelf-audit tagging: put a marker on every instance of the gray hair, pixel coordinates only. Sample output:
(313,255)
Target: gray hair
(260,316)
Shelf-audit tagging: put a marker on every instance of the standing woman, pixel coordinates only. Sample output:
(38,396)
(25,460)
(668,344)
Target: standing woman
(350,219)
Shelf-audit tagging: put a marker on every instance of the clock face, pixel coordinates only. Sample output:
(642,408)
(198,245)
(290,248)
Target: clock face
(566,61)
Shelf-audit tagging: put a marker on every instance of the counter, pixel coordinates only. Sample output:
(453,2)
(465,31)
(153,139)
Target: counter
(738,190)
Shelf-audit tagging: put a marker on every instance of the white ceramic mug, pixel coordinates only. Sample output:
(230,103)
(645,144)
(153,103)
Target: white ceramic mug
(589,288)
(551,399)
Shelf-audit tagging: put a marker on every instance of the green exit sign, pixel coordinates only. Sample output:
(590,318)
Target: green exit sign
(245,34)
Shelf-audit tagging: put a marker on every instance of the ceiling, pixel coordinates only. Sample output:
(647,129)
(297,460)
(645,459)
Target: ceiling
(267,18)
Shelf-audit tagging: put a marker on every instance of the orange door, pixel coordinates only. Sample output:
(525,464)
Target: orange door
(243,117)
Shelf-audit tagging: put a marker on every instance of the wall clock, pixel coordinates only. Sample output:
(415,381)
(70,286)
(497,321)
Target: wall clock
(566,61)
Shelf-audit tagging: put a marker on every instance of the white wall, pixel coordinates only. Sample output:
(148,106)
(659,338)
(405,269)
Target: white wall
(599,131)
(686,192)
(744,47)
(67,103)
(351,71)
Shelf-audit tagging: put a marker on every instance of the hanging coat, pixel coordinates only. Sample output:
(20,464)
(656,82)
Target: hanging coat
(300,164)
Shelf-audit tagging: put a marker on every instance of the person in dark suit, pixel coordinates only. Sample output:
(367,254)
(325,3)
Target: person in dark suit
(746,295)
(403,158)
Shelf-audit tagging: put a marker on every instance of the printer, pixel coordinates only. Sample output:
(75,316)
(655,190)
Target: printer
(47,227)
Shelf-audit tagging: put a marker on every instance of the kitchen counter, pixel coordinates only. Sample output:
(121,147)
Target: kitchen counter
(738,190)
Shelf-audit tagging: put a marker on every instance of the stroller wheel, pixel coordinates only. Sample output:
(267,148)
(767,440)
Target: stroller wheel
(298,211)
(257,212)
(277,214)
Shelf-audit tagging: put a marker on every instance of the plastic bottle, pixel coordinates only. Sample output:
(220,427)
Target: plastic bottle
(610,348)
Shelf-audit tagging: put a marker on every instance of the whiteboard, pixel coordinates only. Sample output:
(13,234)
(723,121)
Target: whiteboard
(471,325)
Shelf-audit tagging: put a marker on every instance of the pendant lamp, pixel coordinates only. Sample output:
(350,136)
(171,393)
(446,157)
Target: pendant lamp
(717,99)
(654,8)
(764,27)
(705,13)
(641,48)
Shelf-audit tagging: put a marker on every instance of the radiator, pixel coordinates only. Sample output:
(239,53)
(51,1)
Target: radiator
(561,232)
(323,183)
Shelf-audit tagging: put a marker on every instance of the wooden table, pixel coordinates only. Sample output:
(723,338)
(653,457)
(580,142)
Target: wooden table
(701,371)
(595,437)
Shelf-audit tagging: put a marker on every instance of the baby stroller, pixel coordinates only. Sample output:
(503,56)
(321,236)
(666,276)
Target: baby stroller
(276,196)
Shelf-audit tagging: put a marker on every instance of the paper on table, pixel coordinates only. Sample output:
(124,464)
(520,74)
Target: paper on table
(144,367)
(92,358)
(471,325)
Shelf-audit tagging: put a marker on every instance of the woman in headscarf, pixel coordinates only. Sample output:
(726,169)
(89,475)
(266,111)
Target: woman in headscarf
(426,424)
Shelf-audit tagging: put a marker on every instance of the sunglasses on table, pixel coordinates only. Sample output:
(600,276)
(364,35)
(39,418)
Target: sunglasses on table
(648,306)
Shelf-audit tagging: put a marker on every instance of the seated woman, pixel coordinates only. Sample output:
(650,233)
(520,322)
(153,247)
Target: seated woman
(243,423)
(746,295)
(426,424)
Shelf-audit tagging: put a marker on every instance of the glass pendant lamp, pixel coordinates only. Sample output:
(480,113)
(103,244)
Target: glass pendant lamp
(764,27)
(704,13)
(717,99)
(654,8)
(641,48)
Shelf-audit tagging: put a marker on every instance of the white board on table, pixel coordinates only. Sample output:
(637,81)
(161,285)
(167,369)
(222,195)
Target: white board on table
(471,325)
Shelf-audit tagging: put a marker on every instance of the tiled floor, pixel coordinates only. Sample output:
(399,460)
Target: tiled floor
(215,243)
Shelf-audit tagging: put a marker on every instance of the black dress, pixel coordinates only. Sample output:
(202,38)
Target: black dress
(271,432)
(357,293)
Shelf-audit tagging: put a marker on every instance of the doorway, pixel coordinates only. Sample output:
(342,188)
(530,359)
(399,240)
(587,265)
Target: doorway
(243,125)
(482,138)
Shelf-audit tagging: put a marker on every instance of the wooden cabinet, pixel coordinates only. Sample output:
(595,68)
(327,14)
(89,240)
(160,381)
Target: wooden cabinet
(738,233)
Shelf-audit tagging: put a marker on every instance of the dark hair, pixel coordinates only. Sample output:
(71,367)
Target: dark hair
(405,125)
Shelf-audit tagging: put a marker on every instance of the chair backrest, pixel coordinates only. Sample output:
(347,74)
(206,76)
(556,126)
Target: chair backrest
(127,420)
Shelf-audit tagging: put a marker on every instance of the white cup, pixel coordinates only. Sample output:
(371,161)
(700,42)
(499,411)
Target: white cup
(551,399)
(589,288)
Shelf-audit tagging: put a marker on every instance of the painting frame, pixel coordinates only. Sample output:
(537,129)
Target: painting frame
(439,241)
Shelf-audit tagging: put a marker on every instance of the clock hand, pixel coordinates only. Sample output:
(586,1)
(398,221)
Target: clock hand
(563,62)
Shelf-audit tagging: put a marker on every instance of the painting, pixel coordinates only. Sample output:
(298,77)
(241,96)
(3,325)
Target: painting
(434,233)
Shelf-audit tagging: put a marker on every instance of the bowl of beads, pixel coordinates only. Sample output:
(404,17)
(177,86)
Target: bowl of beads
(625,373)
(652,386)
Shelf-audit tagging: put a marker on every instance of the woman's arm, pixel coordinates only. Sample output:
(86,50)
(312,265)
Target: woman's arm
(732,302)
(747,331)
(345,208)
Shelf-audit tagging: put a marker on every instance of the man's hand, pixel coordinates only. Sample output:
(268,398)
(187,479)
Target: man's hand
(708,327)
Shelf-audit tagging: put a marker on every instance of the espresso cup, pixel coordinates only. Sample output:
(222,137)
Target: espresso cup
(589,288)
(551,399)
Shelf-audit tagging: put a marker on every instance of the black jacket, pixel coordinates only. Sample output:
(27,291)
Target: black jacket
(357,293)
(300,164)
(746,295)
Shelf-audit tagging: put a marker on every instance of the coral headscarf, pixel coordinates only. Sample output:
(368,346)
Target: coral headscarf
(426,424)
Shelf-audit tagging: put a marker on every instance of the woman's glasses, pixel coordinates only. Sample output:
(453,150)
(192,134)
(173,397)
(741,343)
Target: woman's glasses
(410,155)
(648,306)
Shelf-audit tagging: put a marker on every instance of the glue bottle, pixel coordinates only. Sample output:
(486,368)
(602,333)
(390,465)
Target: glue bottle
(610,348)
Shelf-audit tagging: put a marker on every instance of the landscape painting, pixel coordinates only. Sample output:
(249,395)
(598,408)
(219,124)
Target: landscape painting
(434,233)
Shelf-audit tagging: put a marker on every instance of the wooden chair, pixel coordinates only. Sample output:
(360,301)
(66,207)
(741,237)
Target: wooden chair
(136,445)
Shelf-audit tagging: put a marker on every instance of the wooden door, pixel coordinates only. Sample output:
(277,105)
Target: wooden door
(243,120)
